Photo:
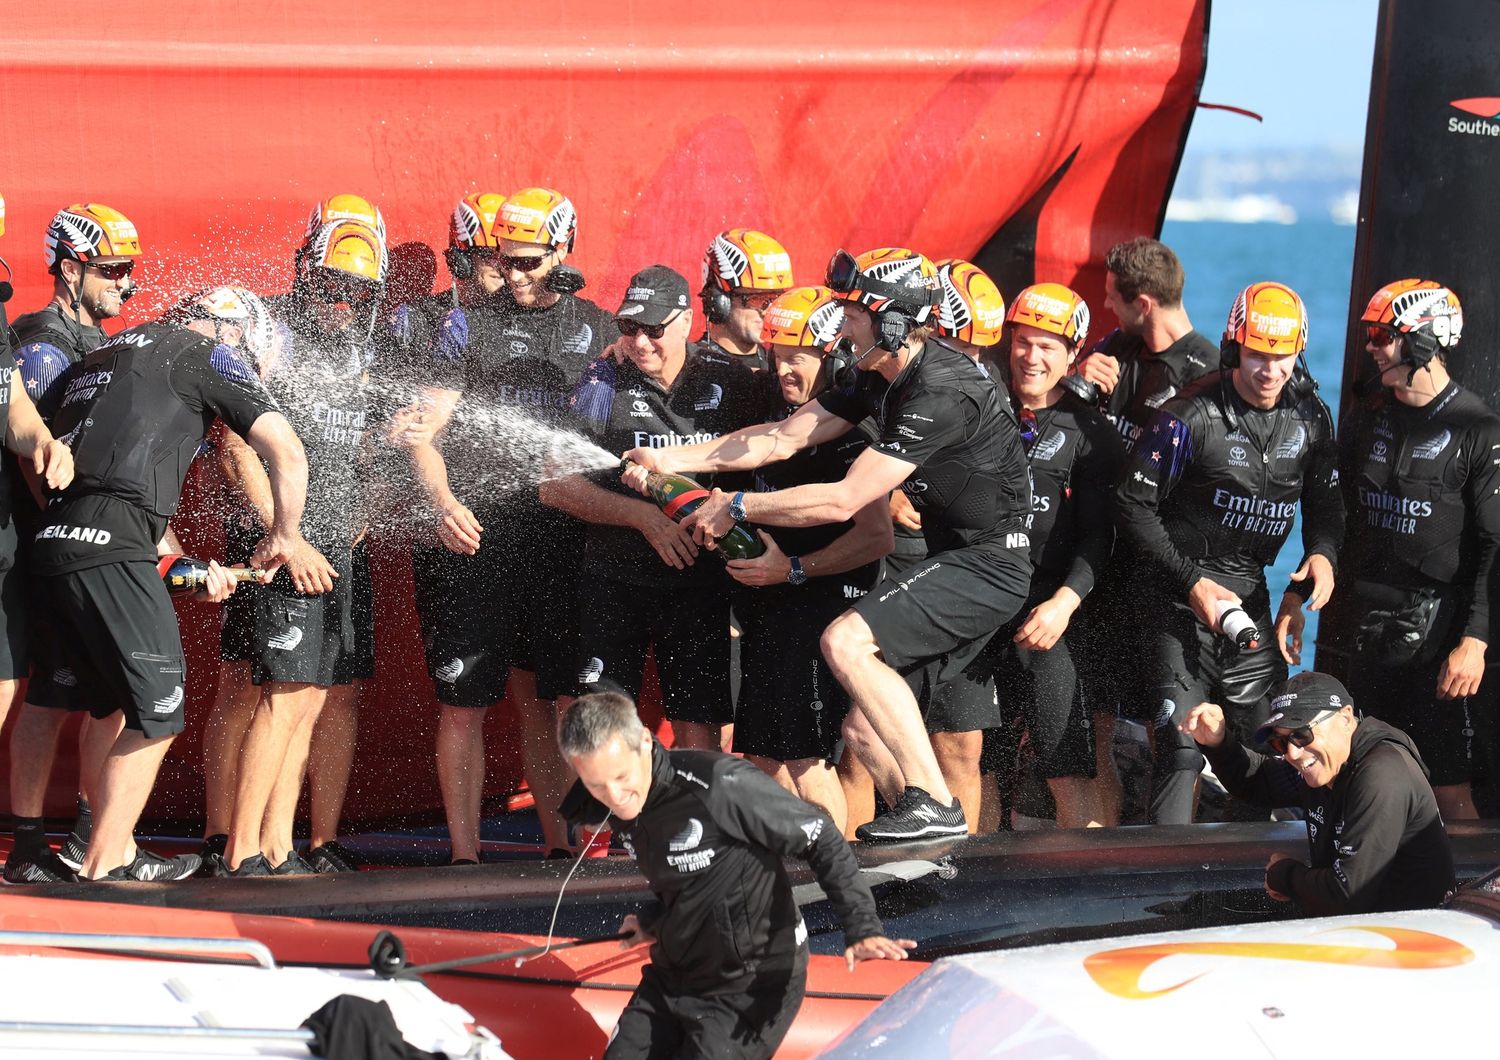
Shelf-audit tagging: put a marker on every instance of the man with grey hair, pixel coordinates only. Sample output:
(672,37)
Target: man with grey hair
(708,831)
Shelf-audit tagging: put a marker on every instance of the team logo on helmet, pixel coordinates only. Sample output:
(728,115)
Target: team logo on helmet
(1053,308)
(85,231)
(538,215)
(350,247)
(1268,318)
(344,207)
(473,223)
(1414,305)
(748,260)
(803,316)
(972,309)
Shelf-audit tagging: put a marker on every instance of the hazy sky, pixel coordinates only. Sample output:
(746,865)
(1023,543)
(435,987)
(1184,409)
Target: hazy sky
(1314,87)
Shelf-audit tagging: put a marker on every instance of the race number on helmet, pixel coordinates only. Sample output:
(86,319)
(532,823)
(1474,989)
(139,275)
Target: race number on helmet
(973,309)
(1268,318)
(1418,307)
(475,221)
(538,215)
(803,316)
(1053,308)
(85,231)
(887,278)
(744,259)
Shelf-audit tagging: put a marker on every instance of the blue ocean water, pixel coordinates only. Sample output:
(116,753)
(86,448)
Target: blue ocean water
(1316,259)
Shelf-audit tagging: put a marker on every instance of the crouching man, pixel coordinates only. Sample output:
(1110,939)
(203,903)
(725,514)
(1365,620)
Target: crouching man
(708,831)
(1377,840)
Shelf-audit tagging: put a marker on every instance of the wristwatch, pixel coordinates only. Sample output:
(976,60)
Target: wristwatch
(737,507)
(796,576)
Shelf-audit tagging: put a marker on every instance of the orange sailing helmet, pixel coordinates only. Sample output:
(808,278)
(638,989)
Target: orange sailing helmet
(1422,311)
(474,221)
(973,309)
(344,207)
(747,260)
(349,247)
(890,278)
(538,215)
(233,305)
(1053,308)
(1267,318)
(85,231)
(804,316)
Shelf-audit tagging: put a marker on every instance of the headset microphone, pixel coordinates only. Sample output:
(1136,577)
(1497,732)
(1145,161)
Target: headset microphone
(6,290)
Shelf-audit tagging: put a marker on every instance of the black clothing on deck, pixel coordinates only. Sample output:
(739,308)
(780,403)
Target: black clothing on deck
(134,413)
(710,839)
(750,1025)
(1376,841)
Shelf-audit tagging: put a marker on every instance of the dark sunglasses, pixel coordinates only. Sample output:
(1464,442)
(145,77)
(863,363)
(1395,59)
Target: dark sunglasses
(527,263)
(332,290)
(1279,742)
(630,328)
(1028,426)
(111,270)
(759,301)
(1379,334)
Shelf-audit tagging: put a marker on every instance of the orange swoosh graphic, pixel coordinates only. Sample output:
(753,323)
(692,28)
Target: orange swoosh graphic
(1484,106)
(1119,971)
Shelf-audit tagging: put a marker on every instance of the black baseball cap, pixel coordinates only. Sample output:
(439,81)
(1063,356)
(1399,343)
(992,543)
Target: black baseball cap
(1299,700)
(655,294)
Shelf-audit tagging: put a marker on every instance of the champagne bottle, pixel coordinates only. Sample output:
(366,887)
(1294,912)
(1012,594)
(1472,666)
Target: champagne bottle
(679,496)
(184,574)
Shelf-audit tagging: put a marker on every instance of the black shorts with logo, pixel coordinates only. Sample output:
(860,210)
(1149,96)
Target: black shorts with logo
(686,628)
(303,639)
(122,643)
(933,620)
(791,706)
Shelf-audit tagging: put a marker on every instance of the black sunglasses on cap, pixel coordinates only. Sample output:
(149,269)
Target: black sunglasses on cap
(1278,742)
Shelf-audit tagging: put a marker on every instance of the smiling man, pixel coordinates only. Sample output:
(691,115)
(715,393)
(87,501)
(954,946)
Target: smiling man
(708,831)
(1376,838)
(1206,500)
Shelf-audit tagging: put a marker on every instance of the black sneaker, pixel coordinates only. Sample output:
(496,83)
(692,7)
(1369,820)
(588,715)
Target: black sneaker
(74,852)
(37,866)
(917,816)
(254,865)
(211,851)
(292,866)
(153,868)
(332,856)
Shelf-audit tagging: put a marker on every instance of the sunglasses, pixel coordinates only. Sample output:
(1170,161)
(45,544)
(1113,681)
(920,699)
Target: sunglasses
(331,290)
(527,263)
(1028,426)
(631,328)
(759,301)
(1279,742)
(1378,334)
(111,270)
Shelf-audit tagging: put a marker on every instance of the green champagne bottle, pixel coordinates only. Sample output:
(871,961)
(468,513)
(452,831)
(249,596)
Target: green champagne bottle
(679,496)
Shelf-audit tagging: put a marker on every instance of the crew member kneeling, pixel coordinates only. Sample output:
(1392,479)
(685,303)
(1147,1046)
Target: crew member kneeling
(1373,827)
(708,831)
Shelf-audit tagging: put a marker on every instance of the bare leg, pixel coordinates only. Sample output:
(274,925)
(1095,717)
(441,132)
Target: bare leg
(859,793)
(697,735)
(958,757)
(284,705)
(1456,802)
(96,737)
(818,783)
(875,761)
(125,784)
(460,766)
(1077,804)
(991,805)
(777,771)
(223,736)
(886,701)
(8,691)
(545,770)
(33,746)
(281,808)
(331,759)
(1108,793)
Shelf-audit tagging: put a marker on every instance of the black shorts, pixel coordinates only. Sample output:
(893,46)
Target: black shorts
(1043,692)
(122,643)
(14,663)
(302,639)
(934,620)
(511,604)
(242,532)
(747,1024)
(1406,697)
(361,661)
(688,631)
(791,706)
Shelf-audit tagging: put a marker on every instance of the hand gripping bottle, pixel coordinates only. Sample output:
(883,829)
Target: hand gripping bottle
(679,496)
(184,574)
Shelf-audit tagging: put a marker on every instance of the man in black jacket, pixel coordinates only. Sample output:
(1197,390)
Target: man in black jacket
(1375,836)
(708,831)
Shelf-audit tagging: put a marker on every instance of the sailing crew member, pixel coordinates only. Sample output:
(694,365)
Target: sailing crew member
(744,271)
(952,442)
(498,601)
(709,831)
(1420,470)
(1376,837)
(1206,500)
(648,584)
